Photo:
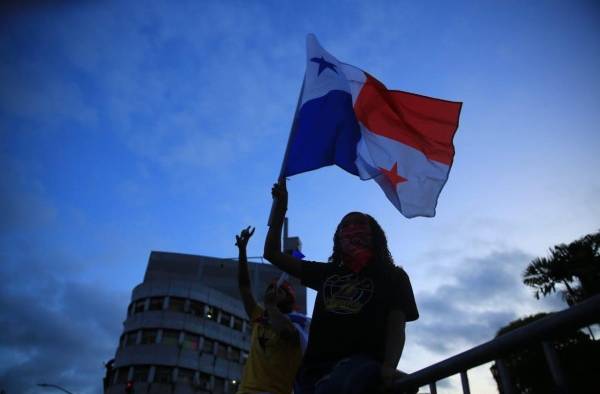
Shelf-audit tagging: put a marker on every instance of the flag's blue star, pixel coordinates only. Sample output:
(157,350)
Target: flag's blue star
(323,64)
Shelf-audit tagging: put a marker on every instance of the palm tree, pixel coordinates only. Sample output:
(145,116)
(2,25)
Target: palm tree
(575,266)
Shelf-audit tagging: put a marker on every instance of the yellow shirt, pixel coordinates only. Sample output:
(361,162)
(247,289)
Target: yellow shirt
(273,361)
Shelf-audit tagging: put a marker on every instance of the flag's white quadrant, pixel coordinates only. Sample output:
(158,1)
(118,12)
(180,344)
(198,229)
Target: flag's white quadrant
(323,73)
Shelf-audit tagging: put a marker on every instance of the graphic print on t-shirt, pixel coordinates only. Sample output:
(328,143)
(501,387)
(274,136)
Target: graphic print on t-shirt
(347,294)
(265,335)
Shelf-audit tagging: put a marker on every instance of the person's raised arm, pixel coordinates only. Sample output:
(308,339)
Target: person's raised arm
(272,250)
(248,300)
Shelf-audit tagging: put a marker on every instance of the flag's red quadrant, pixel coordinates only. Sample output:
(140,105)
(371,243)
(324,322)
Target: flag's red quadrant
(424,123)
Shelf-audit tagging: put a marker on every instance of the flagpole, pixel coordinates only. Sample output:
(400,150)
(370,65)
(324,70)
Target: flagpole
(287,150)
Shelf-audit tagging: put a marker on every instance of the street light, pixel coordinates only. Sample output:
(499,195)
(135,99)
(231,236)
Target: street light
(54,386)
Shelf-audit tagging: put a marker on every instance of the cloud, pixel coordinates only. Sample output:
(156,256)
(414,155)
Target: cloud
(470,300)
(187,96)
(24,204)
(44,95)
(475,298)
(55,329)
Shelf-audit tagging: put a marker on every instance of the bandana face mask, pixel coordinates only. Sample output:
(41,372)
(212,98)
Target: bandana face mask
(357,251)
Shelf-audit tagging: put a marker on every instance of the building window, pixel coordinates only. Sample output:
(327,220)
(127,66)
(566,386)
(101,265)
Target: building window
(131,338)
(219,386)
(156,303)
(140,373)
(123,341)
(122,375)
(225,319)
(130,309)
(170,337)
(196,308)
(163,374)
(209,345)
(191,341)
(177,304)
(203,380)
(234,354)
(244,357)
(221,350)
(185,375)
(247,328)
(140,305)
(238,324)
(149,336)
(211,313)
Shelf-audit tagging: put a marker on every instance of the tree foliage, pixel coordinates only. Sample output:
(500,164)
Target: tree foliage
(529,371)
(573,268)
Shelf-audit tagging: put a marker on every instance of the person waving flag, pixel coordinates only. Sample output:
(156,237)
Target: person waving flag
(348,118)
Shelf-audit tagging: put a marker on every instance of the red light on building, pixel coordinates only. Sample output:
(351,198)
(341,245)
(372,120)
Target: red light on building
(129,387)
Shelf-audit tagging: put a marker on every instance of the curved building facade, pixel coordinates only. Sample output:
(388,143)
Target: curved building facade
(186,330)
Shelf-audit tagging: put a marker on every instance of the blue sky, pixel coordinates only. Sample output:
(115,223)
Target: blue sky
(127,128)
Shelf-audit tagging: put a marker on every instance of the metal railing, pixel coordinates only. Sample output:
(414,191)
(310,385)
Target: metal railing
(573,318)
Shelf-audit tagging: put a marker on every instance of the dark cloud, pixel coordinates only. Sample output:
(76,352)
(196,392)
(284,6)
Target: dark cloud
(55,328)
(23,204)
(477,298)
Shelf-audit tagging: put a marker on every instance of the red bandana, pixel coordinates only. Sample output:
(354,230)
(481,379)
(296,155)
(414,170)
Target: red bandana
(356,247)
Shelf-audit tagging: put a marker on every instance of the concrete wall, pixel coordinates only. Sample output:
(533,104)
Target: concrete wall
(219,274)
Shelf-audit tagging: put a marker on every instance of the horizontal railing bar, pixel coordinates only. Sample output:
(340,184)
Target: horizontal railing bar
(585,313)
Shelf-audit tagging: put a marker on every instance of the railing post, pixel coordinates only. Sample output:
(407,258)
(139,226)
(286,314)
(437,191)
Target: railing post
(555,369)
(505,379)
(432,388)
(464,379)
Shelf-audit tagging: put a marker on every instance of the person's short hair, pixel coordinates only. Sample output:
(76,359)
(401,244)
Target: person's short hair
(290,291)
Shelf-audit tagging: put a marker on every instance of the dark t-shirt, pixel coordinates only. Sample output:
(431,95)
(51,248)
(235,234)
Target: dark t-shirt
(351,310)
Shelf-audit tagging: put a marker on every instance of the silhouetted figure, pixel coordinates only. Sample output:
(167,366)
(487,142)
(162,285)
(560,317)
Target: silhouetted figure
(278,333)
(363,303)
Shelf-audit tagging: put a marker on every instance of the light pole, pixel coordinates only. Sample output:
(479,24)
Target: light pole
(54,386)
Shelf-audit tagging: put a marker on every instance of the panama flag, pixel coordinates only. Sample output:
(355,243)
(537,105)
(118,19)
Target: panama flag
(348,118)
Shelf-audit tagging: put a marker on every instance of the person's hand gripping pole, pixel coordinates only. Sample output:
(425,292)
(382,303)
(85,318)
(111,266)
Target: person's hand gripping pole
(280,201)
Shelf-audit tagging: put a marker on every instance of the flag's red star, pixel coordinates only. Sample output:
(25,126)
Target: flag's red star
(392,175)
